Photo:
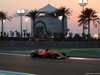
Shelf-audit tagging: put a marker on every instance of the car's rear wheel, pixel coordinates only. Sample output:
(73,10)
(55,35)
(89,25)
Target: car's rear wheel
(53,56)
(33,55)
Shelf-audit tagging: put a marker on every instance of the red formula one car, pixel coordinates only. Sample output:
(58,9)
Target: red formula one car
(46,53)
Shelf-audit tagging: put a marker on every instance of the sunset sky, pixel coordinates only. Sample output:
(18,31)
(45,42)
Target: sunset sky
(11,6)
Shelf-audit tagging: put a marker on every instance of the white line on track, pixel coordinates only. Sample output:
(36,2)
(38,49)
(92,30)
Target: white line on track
(81,58)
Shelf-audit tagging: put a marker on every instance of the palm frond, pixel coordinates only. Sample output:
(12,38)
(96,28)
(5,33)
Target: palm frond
(33,14)
(80,23)
(62,11)
(89,15)
(95,23)
(3,15)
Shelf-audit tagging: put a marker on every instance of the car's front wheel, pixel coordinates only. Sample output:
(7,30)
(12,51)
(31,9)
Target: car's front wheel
(53,56)
(33,55)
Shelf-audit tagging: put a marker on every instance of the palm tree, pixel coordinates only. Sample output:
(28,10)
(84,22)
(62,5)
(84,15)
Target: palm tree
(33,15)
(89,15)
(4,16)
(62,11)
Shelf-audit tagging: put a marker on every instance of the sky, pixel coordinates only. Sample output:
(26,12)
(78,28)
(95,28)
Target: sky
(10,6)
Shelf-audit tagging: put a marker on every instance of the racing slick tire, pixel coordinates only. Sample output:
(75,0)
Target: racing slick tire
(33,55)
(53,56)
(64,54)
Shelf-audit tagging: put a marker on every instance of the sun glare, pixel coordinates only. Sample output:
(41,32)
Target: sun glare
(95,35)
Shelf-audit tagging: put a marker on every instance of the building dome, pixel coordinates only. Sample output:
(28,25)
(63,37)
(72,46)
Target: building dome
(47,8)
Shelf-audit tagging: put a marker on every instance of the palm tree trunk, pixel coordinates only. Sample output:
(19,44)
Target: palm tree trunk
(89,28)
(33,28)
(2,28)
(63,27)
(89,31)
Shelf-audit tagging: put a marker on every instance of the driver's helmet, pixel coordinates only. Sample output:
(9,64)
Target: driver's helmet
(46,50)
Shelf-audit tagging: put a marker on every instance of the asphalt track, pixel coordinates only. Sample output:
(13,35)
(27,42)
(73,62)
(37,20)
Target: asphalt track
(44,66)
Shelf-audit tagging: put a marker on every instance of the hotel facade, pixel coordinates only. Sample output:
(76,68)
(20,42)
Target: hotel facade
(47,22)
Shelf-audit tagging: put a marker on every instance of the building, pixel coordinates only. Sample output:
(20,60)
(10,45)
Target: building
(47,22)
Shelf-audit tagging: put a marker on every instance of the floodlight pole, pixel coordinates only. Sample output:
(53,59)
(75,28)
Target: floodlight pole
(83,3)
(21,12)
(2,29)
(26,20)
(21,25)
